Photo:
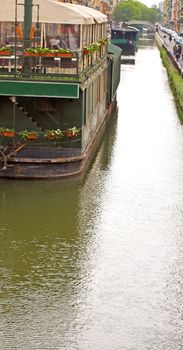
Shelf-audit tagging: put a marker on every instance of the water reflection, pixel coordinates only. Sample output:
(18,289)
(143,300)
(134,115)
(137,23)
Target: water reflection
(44,249)
(96,263)
(146,39)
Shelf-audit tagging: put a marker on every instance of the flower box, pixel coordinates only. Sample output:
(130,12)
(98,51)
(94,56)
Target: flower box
(5,53)
(64,54)
(48,54)
(31,54)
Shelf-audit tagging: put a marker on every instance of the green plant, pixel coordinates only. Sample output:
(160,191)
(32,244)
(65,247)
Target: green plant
(53,134)
(28,135)
(32,50)
(89,49)
(7,132)
(45,50)
(5,48)
(63,51)
(73,132)
(104,41)
(175,80)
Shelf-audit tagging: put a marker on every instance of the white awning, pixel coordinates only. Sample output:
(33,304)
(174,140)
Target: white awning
(99,17)
(51,11)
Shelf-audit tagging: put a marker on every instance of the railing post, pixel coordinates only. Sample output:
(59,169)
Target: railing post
(27,30)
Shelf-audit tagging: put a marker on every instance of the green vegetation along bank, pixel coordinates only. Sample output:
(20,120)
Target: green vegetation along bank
(175,80)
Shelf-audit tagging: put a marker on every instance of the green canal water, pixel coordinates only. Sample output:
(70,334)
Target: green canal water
(97,262)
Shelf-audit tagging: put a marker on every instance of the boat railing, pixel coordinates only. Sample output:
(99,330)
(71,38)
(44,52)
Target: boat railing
(19,63)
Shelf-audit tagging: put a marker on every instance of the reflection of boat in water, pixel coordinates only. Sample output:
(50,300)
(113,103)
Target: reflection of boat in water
(56,102)
(126,37)
(146,39)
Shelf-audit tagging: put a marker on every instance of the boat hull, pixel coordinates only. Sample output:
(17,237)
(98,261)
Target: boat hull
(30,164)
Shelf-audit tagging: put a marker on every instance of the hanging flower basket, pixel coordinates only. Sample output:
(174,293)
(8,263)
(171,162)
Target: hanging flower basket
(28,135)
(9,133)
(32,137)
(73,132)
(49,136)
(77,133)
(69,134)
(53,134)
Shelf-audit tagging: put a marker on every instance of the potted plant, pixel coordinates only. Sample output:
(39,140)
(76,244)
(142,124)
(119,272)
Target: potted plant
(95,46)
(5,51)
(88,50)
(53,134)
(103,41)
(2,130)
(73,132)
(28,135)
(85,50)
(69,134)
(7,132)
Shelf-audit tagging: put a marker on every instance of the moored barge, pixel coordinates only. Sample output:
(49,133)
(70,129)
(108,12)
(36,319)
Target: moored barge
(58,82)
(125,37)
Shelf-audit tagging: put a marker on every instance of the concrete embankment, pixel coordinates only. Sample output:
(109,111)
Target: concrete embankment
(174,71)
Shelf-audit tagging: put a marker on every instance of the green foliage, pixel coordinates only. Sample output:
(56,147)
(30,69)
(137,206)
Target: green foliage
(32,135)
(127,10)
(95,46)
(175,80)
(5,48)
(28,135)
(45,50)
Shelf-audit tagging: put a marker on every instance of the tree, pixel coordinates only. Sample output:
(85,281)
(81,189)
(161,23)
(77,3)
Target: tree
(128,10)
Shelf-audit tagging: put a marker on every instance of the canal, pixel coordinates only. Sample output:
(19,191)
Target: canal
(97,262)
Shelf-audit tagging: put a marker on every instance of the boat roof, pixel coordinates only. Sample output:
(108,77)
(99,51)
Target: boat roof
(52,11)
(128,29)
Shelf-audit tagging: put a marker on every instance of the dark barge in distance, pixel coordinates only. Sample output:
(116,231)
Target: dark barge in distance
(58,82)
(125,37)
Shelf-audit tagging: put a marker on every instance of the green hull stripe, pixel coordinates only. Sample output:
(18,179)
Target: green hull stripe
(45,89)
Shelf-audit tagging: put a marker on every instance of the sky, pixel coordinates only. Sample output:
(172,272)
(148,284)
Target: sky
(149,3)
